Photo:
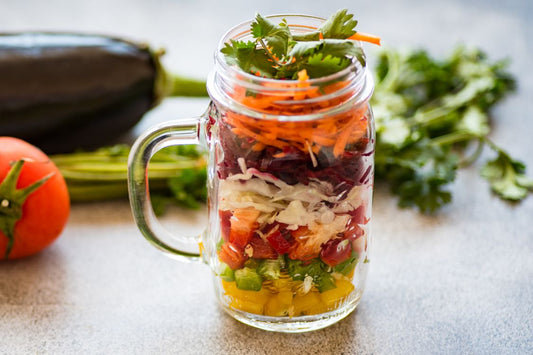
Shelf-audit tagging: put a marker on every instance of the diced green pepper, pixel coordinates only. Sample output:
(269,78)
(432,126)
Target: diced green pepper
(226,273)
(248,279)
(347,265)
(318,270)
(270,269)
(252,263)
(324,282)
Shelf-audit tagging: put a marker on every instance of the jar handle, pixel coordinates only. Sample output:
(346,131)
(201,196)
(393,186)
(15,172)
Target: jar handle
(179,132)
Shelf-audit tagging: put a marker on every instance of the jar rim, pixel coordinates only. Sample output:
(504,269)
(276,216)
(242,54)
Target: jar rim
(225,78)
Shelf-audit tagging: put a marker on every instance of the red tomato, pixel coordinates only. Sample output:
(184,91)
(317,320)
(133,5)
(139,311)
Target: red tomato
(353,231)
(358,215)
(301,250)
(225,224)
(243,226)
(232,255)
(262,249)
(301,231)
(45,211)
(336,251)
(278,242)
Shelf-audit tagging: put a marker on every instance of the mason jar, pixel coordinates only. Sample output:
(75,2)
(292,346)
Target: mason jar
(290,181)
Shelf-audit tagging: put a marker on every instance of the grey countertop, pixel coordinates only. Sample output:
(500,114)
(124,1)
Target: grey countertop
(457,282)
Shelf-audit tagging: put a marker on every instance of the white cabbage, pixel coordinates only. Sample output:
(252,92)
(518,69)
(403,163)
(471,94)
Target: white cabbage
(294,205)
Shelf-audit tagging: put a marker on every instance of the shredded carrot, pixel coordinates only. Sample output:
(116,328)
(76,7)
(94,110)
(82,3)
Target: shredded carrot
(345,134)
(280,98)
(257,147)
(365,37)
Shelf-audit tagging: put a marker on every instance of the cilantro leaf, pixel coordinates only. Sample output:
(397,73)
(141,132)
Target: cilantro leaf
(427,113)
(246,56)
(338,48)
(276,36)
(507,177)
(321,58)
(475,121)
(301,49)
(319,65)
(278,53)
(332,47)
(339,25)
(308,36)
(419,173)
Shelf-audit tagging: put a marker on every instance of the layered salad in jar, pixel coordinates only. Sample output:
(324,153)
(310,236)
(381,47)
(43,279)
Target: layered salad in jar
(294,184)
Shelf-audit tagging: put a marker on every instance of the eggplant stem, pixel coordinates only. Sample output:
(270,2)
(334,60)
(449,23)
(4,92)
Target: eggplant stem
(182,86)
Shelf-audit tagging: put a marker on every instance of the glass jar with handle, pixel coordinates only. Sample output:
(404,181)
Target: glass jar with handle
(290,180)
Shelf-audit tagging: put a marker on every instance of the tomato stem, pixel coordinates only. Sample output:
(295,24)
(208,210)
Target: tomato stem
(12,200)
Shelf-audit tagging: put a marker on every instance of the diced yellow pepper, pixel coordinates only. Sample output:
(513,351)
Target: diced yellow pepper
(246,306)
(308,304)
(282,284)
(278,305)
(350,275)
(334,297)
(243,297)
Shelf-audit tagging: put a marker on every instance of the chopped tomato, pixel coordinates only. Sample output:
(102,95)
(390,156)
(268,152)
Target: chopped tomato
(262,249)
(278,242)
(353,230)
(243,225)
(225,224)
(358,215)
(301,250)
(336,251)
(301,231)
(232,255)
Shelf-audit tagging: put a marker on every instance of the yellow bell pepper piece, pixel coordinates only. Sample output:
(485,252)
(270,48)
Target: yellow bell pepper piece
(278,305)
(248,301)
(247,306)
(308,304)
(282,284)
(334,297)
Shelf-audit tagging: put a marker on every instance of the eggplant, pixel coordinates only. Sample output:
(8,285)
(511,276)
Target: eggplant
(68,91)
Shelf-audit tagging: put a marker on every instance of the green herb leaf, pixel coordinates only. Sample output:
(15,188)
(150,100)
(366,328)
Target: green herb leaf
(319,65)
(348,265)
(277,53)
(316,269)
(340,25)
(507,177)
(250,59)
(419,173)
(276,36)
(427,113)
(188,187)
(475,121)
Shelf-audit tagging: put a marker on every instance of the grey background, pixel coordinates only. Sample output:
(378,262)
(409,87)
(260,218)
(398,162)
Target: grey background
(457,282)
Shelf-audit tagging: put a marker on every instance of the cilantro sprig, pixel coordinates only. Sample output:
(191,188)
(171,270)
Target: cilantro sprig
(279,54)
(428,113)
(507,176)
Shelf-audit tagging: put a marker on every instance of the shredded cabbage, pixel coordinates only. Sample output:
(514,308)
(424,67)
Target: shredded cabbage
(294,205)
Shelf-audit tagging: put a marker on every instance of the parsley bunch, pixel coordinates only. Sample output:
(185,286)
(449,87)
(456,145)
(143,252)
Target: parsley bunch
(427,113)
(279,54)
